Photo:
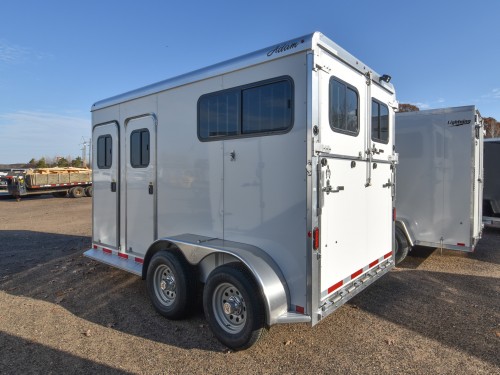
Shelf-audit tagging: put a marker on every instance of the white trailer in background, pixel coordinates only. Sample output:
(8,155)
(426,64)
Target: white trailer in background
(439,179)
(269,178)
(491,198)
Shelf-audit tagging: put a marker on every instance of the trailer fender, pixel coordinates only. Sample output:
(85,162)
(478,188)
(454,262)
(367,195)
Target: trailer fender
(403,225)
(266,272)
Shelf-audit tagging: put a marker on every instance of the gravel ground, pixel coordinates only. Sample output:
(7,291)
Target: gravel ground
(63,313)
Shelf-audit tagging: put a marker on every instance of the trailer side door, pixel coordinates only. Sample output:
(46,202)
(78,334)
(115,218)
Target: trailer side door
(140,158)
(105,181)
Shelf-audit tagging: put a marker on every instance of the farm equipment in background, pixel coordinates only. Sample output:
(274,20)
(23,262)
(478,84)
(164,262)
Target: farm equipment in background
(75,182)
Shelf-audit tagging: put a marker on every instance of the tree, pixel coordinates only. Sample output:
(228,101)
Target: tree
(492,127)
(32,162)
(405,107)
(77,162)
(41,163)
(62,162)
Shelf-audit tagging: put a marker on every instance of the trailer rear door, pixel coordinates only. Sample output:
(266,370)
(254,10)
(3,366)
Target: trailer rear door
(105,177)
(355,184)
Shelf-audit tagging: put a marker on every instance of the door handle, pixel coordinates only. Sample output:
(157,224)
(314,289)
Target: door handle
(150,188)
(113,187)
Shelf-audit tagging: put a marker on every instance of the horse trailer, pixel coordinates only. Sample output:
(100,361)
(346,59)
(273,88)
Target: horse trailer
(439,180)
(491,197)
(248,179)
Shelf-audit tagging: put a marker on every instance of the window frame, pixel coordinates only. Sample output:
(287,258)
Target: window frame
(378,140)
(105,165)
(240,110)
(140,131)
(347,86)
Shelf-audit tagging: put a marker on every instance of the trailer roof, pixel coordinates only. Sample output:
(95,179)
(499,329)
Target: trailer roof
(276,51)
(439,111)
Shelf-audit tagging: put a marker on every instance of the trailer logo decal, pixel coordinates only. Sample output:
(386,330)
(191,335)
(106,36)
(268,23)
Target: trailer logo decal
(283,47)
(458,122)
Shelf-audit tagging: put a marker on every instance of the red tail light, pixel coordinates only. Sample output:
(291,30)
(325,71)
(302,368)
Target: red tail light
(316,238)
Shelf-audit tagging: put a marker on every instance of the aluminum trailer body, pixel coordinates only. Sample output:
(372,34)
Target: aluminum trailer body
(439,179)
(491,196)
(254,169)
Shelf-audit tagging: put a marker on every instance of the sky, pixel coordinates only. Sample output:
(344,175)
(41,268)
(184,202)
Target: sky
(58,57)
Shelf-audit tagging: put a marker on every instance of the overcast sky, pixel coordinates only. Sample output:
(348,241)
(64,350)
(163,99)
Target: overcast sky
(59,57)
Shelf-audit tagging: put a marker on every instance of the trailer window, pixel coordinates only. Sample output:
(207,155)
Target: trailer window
(104,152)
(380,122)
(255,109)
(139,148)
(344,107)
(267,108)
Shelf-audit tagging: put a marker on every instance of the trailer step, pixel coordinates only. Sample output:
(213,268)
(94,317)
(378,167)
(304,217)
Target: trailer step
(115,259)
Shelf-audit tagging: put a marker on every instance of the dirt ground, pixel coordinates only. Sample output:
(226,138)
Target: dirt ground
(63,313)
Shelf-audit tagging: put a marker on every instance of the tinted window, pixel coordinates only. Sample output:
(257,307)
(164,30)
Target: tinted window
(344,107)
(267,108)
(380,122)
(263,107)
(218,115)
(104,152)
(139,148)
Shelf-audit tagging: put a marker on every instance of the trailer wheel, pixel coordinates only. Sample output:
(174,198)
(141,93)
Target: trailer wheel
(89,191)
(76,192)
(169,285)
(233,307)
(402,245)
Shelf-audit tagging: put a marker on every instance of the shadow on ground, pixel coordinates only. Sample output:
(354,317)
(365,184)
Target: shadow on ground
(465,309)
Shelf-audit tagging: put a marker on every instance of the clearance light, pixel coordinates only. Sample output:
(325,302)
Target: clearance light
(316,238)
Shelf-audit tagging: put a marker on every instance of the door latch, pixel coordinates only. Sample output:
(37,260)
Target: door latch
(329,188)
(150,188)
(113,186)
(388,184)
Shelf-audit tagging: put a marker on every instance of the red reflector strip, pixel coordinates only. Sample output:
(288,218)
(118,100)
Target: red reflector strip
(356,274)
(107,251)
(374,263)
(460,244)
(122,255)
(336,286)
(299,309)
(387,255)
(95,246)
(139,260)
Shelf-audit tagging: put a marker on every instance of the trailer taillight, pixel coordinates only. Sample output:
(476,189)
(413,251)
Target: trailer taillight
(316,238)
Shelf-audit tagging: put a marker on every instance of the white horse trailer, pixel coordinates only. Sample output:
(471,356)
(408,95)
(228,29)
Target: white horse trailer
(249,176)
(491,198)
(439,179)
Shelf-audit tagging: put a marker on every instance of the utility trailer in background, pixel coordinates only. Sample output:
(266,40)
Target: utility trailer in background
(491,197)
(77,182)
(270,177)
(439,179)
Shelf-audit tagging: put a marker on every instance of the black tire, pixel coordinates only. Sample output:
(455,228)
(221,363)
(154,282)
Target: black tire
(402,245)
(233,306)
(76,192)
(89,191)
(170,286)
(60,194)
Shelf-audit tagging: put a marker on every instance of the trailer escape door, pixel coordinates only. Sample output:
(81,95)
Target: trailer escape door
(106,184)
(140,156)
